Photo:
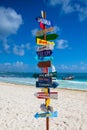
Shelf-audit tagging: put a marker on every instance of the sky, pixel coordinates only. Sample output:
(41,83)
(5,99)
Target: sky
(18,27)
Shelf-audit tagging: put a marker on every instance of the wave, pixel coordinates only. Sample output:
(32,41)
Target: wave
(31,81)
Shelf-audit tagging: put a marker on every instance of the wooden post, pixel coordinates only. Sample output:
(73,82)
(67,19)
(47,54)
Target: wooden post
(47,119)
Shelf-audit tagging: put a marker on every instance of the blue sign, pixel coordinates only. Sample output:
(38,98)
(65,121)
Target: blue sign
(44,53)
(46,114)
(44,58)
(46,79)
(46,84)
(44,21)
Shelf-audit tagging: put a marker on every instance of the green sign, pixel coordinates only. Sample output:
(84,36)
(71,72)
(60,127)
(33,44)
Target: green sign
(49,36)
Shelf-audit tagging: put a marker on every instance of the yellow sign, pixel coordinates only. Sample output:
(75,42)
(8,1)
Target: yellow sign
(44,42)
(41,32)
(47,102)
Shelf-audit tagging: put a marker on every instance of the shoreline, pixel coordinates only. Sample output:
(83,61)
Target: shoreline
(9,83)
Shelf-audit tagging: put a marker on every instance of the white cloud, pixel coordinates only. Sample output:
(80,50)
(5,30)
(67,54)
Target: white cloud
(62,44)
(34,32)
(18,50)
(17,66)
(69,6)
(10,22)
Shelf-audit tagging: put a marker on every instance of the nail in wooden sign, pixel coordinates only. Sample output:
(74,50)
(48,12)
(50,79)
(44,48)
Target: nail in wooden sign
(44,53)
(41,32)
(44,64)
(46,114)
(43,42)
(43,95)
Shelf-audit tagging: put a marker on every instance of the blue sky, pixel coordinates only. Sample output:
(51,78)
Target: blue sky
(18,28)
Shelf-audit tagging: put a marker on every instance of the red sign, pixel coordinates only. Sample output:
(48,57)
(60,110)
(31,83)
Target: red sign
(43,95)
(44,64)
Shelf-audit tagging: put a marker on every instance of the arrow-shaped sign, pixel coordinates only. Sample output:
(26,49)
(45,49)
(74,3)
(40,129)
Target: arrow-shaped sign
(46,114)
(43,42)
(49,36)
(44,21)
(44,53)
(44,58)
(41,32)
(46,85)
(44,64)
(47,47)
(43,95)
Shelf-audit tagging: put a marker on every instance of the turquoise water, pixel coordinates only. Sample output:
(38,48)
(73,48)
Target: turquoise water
(79,82)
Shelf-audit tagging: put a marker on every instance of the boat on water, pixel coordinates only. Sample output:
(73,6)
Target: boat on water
(69,77)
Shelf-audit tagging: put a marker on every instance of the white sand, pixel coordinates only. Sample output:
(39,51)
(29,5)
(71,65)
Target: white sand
(18,106)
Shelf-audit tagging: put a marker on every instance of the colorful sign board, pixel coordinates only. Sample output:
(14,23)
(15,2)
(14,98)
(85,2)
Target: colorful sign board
(44,21)
(48,36)
(44,64)
(46,85)
(46,109)
(43,42)
(41,32)
(47,47)
(45,79)
(43,95)
(53,74)
(46,114)
(44,58)
(44,53)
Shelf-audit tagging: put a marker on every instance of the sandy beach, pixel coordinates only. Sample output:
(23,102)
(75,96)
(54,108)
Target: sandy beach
(18,106)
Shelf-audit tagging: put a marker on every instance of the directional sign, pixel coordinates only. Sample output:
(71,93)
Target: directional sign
(46,114)
(49,36)
(45,79)
(43,42)
(46,109)
(43,95)
(53,74)
(47,102)
(46,85)
(47,47)
(44,64)
(43,85)
(44,53)
(41,32)
(50,58)
(44,21)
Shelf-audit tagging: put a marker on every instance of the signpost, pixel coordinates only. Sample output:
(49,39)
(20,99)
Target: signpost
(44,52)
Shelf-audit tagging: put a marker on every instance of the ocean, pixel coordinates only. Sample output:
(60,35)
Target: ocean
(79,82)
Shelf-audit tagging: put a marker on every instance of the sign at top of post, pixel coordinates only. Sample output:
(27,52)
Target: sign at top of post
(44,21)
